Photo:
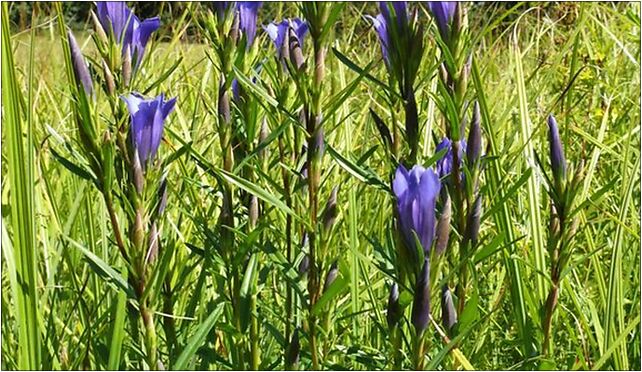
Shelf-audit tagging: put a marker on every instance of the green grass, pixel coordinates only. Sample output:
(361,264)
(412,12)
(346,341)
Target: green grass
(65,304)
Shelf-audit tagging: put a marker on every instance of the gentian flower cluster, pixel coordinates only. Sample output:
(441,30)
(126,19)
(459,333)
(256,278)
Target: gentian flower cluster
(142,191)
(127,29)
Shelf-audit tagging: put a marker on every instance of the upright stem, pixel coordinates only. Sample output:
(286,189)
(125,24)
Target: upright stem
(419,352)
(314,157)
(395,340)
(551,304)
(169,325)
(150,336)
(288,240)
(115,227)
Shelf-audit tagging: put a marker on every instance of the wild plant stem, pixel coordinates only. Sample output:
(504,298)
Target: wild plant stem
(115,227)
(419,352)
(150,336)
(551,304)
(395,341)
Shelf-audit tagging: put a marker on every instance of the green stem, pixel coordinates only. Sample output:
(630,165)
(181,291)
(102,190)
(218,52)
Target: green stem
(150,337)
(551,305)
(395,341)
(419,352)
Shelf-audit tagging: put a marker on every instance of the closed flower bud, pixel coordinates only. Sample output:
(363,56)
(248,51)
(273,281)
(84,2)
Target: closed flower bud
(100,31)
(224,105)
(296,49)
(127,66)
(293,350)
(304,265)
(448,312)
(139,176)
(331,210)
(234,31)
(162,195)
(558,162)
(263,135)
(443,225)
(473,221)
(473,147)
(332,275)
(80,66)
(109,79)
(254,211)
(154,237)
(421,302)
(394,310)
(138,231)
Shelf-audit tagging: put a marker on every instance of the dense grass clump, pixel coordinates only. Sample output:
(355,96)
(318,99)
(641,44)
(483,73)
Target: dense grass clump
(321,186)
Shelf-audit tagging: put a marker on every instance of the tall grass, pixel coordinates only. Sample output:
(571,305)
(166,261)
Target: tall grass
(67,304)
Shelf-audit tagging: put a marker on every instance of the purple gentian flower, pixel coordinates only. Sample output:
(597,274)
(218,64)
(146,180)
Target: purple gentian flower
(221,7)
(558,161)
(443,11)
(126,27)
(416,193)
(383,21)
(279,31)
(445,164)
(147,123)
(381,27)
(401,11)
(248,15)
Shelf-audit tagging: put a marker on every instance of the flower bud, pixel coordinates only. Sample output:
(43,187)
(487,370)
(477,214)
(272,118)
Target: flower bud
(473,221)
(80,67)
(162,196)
(473,147)
(394,310)
(332,275)
(127,66)
(263,135)
(100,31)
(139,177)
(254,211)
(224,105)
(443,225)
(235,30)
(558,162)
(293,350)
(296,51)
(421,302)
(448,312)
(109,79)
(331,210)
(304,265)
(138,231)
(152,251)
